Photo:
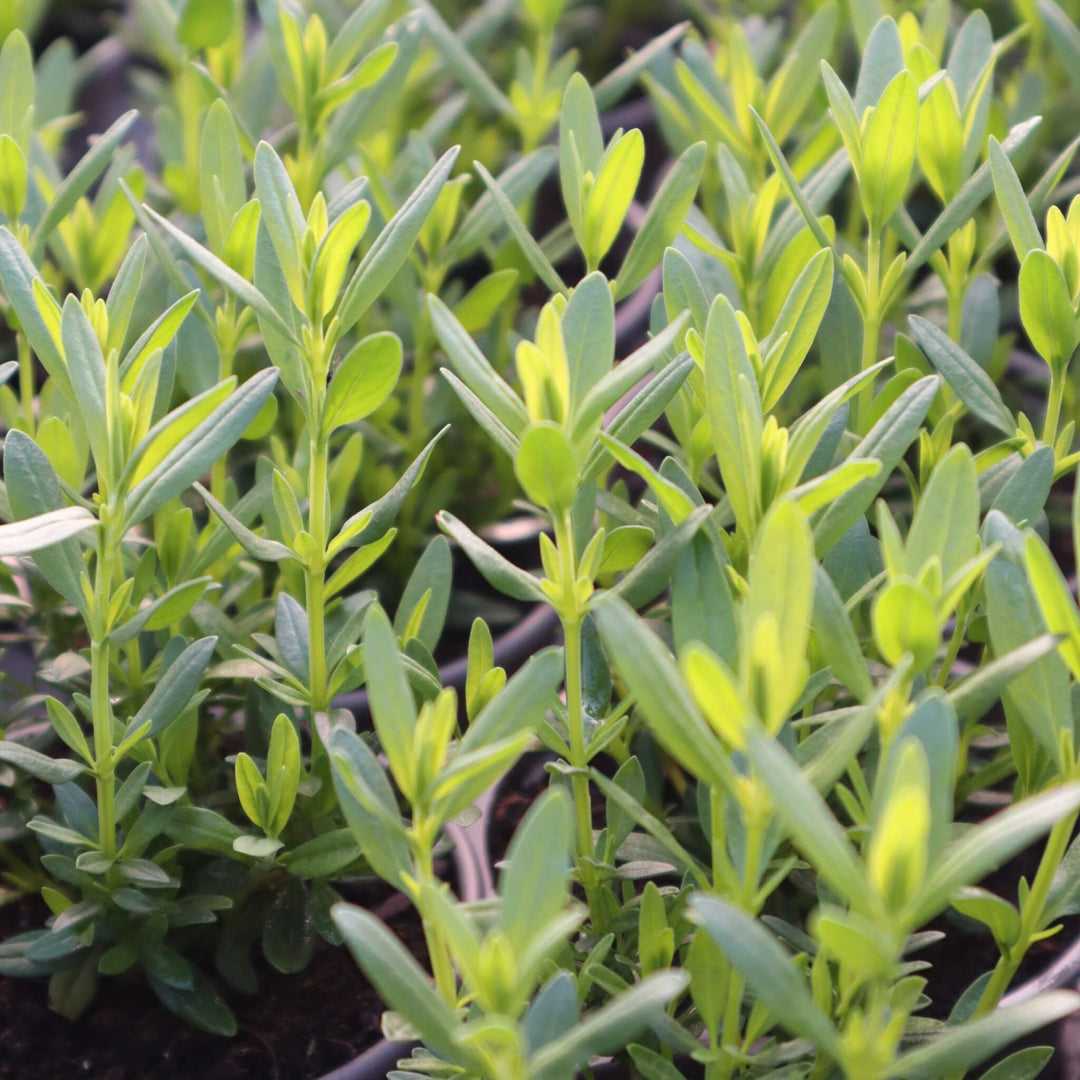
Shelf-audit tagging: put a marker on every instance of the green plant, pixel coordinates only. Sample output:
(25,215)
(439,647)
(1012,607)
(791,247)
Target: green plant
(311,307)
(554,437)
(106,911)
(518,1027)
(438,780)
(814,603)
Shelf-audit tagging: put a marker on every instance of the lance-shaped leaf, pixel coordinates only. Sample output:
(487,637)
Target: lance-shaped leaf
(17,277)
(836,637)
(165,610)
(654,680)
(86,369)
(798,196)
(38,765)
(175,689)
(519,183)
(972,385)
(734,410)
(652,572)
(797,325)
(461,62)
(520,704)
(371,524)
(640,413)
(1055,600)
(976,695)
(280,213)
(610,1027)
(225,276)
(1013,203)
(888,147)
(814,830)
(964,204)
(44,530)
(222,189)
(663,220)
(759,958)
(1046,309)
(497,570)
(392,705)
(529,247)
(476,371)
(391,247)
(33,489)
(193,455)
(77,182)
(946,519)
(1040,693)
(887,441)
(399,979)
(960,1048)
(621,379)
(259,547)
(985,847)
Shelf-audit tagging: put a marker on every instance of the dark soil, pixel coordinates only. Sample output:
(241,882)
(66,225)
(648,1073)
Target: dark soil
(968,951)
(297,1027)
(518,790)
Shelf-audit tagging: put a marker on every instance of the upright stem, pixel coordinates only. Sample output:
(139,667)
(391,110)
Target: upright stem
(315,576)
(101,708)
(421,357)
(441,965)
(1031,917)
(576,723)
(732,1029)
(571,618)
(871,326)
(955,301)
(1053,407)
(754,838)
(955,642)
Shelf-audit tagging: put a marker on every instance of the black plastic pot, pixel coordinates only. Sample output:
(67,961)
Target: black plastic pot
(511,650)
(373,1064)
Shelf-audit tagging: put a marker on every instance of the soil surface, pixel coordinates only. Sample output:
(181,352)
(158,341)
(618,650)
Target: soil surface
(297,1027)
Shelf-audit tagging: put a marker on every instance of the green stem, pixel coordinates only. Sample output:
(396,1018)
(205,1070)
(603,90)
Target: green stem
(315,576)
(955,302)
(421,367)
(754,837)
(571,618)
(580,783)
(1053,408)
(871,345)
(576,723)
(101,708)
(747,900)
(732,1024)
(955,642)
(1031,918)
(441,965)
